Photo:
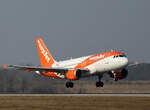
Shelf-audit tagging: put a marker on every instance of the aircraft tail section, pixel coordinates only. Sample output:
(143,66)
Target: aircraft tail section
(46,58)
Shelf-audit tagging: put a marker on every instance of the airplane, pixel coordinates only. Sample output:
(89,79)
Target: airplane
(114,63)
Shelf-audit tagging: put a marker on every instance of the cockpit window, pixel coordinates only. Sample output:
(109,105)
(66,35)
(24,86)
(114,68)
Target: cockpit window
(119,56)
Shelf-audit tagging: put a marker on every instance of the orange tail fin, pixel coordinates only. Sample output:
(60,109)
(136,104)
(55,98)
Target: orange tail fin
(45,56)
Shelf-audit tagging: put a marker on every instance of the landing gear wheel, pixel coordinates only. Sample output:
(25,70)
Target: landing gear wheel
(99,84)
(69,84)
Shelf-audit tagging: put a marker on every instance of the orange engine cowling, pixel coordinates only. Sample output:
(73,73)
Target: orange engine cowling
(73,74)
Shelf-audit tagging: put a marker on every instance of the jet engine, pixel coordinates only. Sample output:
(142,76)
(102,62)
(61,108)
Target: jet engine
(119,75)
(74,74)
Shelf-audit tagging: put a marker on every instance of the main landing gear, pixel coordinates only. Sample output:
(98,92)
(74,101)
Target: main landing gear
(69,84)
(99,83)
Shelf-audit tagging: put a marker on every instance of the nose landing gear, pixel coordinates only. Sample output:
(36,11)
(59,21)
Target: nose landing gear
(99,83)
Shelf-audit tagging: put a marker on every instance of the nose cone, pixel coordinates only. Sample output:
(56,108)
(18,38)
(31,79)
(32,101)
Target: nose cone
(124,61)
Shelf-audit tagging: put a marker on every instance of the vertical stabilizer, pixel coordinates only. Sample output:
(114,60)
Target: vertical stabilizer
(45,57)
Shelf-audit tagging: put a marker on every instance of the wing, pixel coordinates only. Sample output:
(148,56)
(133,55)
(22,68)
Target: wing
(133,64)
(43,69)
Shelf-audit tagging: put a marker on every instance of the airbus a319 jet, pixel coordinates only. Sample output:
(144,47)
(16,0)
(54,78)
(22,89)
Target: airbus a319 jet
(113,63)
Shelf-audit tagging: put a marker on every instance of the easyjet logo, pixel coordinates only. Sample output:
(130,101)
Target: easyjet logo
(97,57)
(45,54)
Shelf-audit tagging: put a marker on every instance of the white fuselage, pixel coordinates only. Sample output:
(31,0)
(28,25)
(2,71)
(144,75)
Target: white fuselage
(111,63)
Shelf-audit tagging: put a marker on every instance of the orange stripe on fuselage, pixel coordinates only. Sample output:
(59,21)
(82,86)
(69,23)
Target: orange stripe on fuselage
(97,57)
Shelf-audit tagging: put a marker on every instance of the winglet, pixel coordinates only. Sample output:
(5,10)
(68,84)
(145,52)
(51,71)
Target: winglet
(137,63)
(5,66)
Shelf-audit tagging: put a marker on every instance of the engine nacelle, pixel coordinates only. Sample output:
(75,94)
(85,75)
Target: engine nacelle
(121,74)
(73,74)
(124,73)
